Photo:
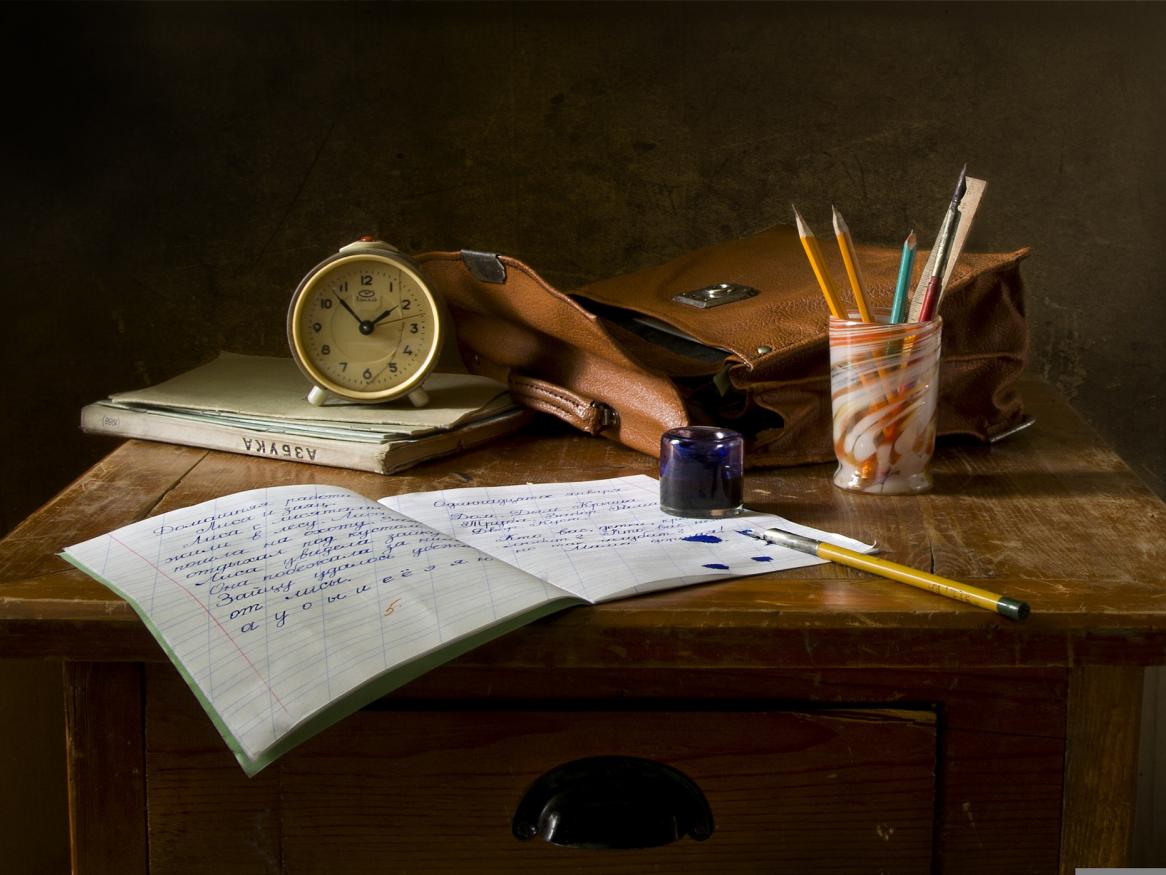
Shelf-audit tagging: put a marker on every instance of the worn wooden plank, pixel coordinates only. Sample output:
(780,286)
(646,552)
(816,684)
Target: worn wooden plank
(1040,517)
(123,487)
(1104,718)
(1000,809)
(795,791)
(771,636)
(1150,806)
(1002,744)
(206,815)
(424,789)
(1001,752)
(104,745)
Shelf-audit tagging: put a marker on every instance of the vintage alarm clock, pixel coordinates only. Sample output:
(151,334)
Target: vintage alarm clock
(364,325)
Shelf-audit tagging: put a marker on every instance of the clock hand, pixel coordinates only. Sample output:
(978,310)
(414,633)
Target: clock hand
(383,315)
(344,304)
(366,325)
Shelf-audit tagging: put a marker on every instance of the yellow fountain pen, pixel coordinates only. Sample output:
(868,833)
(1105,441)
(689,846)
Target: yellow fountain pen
(1013,609)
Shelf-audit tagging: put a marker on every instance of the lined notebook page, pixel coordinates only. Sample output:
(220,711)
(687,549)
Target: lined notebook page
(275,603)
(287,608)
(605,539)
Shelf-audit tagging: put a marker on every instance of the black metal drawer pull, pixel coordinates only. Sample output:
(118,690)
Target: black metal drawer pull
(613,802)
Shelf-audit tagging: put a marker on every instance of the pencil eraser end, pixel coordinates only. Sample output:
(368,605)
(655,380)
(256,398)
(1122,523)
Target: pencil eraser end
(1013,609)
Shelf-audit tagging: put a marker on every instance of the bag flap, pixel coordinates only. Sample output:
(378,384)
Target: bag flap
(521,297)
(788,315)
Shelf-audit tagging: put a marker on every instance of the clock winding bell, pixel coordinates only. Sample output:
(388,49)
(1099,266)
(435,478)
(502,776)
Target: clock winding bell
(364,325)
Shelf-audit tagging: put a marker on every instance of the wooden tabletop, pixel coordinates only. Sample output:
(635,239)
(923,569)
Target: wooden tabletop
(1050,516)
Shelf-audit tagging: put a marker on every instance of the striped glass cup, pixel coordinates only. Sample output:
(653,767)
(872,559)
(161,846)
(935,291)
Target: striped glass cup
(884,384)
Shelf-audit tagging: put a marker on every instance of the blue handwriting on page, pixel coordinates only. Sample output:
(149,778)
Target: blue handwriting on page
(602,539)
(279,605)
(277,602)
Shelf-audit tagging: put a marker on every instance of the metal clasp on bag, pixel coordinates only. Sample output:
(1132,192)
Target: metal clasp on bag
(606,415)
(715,295)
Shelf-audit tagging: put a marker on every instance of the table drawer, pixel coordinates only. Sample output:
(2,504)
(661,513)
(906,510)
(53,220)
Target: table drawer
(407,790)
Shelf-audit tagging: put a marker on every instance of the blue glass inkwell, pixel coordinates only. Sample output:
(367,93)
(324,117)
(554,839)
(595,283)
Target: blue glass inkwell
(702,471)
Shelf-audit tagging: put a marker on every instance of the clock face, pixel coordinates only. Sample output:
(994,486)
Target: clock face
(365,326)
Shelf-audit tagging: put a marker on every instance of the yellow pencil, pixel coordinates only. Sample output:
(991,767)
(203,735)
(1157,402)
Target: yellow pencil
(850,259)
(1011,608)
(814,254)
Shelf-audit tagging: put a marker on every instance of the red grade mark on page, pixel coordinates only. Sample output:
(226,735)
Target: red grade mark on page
(392,606)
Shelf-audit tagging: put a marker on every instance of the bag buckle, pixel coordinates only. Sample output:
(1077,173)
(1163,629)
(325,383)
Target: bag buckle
(715,295)
(485,267)
(607,415)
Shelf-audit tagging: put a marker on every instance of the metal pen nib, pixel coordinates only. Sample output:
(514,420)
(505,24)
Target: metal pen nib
(786,539)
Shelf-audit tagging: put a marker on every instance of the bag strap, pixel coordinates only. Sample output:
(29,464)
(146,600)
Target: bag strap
(556,356)
(584,414)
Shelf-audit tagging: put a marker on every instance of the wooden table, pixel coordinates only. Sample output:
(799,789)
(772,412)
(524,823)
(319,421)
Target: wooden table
(834,721)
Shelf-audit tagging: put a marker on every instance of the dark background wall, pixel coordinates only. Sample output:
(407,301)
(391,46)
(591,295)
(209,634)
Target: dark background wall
(171,170)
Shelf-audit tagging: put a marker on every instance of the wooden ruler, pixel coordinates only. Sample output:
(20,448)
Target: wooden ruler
(967,212)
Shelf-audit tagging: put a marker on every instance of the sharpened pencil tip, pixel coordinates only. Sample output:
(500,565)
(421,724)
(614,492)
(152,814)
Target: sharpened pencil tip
(839,223)
(911,239)
(803,230)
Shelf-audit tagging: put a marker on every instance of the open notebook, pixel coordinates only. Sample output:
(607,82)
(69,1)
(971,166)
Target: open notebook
(287,608)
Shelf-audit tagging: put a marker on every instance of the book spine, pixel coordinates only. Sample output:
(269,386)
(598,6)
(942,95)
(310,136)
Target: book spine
(99,419)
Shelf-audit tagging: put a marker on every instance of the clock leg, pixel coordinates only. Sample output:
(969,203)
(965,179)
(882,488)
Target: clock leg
(419,397)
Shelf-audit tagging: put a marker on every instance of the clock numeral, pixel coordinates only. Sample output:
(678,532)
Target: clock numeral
(406,304)
(367,374)
(412,327)
(343,286)
(325,350)
(366,279)
(408,350)
(343,367)
(392,367)
(317,327)
(326,303)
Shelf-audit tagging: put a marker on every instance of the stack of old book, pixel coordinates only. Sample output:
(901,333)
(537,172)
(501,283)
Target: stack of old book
(255,405)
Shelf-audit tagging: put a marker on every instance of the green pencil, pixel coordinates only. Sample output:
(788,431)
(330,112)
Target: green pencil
(899,306)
